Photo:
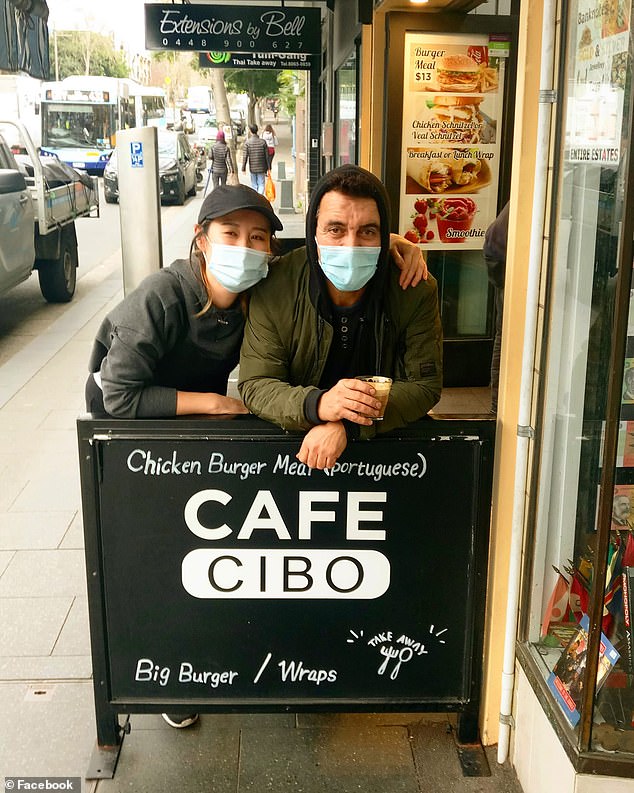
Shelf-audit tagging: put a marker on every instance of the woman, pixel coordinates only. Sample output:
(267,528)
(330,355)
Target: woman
(168,348)
(220,156)
(270,138)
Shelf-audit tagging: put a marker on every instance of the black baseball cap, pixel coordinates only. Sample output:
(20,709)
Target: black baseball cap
(227,198)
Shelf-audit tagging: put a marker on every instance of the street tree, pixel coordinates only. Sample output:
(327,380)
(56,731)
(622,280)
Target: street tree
(174,71)
(223,113)
(256,83)
(83,52)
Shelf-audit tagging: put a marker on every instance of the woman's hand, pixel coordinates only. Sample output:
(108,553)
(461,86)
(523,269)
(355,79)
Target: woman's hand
(409,258)
(323,445)
(190,403)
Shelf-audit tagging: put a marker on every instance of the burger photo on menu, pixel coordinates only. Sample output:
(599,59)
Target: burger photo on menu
(457,73)
(446,171)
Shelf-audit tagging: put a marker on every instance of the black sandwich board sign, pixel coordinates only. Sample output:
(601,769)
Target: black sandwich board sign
(207,27)
(225,575)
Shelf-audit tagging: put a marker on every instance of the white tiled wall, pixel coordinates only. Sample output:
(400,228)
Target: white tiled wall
(538,757)
(539,760)
(603,784)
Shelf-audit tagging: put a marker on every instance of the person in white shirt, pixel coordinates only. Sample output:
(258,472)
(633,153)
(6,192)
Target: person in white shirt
(270,138)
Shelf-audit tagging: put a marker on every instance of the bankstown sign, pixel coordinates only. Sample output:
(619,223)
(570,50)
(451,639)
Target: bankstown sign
(247,29)
(257,60)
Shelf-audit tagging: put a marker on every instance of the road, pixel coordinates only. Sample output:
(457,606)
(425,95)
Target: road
(25,315)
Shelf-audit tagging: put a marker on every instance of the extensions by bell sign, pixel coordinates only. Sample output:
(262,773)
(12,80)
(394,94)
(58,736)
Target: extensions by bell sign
(234,28)
(231,571)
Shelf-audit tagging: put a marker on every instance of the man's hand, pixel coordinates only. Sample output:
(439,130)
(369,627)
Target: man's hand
(349,399)
(323,445)
(409,258)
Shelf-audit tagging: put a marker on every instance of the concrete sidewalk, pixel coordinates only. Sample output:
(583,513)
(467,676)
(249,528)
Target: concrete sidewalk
(46,697)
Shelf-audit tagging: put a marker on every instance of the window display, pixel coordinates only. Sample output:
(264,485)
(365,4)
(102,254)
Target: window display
(569,562)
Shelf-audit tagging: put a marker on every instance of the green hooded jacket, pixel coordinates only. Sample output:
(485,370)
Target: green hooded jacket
(286,345)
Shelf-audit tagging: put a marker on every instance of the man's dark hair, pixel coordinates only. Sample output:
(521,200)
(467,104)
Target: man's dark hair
(356,183)
(253,129)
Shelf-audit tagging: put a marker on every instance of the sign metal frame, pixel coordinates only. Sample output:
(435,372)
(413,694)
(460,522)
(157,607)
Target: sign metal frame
(114,571)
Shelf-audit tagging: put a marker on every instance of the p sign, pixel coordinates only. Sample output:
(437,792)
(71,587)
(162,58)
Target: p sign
(136,154)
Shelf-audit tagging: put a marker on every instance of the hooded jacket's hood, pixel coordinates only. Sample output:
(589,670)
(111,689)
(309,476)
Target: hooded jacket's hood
(352,180)
(373,188)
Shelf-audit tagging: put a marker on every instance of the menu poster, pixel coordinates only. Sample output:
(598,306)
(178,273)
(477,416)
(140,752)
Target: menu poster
(452,95)
(598,67)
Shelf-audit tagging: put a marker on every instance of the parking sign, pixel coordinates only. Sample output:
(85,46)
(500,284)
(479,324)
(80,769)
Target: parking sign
(136,154)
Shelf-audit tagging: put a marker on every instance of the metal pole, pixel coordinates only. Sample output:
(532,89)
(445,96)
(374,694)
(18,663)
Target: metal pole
(139,204)
(56,56)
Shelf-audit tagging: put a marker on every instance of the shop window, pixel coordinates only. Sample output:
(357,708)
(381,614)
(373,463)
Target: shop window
(579,549)
(346,90)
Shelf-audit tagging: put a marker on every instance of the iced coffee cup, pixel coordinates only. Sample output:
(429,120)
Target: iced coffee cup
(382,386)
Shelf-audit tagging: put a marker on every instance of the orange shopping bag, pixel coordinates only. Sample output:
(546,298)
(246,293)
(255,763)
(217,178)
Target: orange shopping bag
(269,187)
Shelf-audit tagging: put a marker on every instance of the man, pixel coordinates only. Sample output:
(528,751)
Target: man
(255,152)
(494,250)
(621,512)
(333,311)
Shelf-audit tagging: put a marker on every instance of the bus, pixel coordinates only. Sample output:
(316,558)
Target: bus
(81,116)
(149,105)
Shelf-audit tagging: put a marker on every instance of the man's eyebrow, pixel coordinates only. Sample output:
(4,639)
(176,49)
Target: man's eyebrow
(332,222)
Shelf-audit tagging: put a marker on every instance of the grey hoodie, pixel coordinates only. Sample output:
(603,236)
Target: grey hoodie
(152,345)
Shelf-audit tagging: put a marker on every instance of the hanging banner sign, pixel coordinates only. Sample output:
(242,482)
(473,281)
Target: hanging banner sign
(599,59)
(257,60)
(452,111)
(235,28)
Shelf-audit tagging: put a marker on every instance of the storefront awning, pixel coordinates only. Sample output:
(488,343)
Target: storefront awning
(24,37)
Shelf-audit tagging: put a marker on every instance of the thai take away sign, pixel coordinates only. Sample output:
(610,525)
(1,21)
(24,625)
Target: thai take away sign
(256,60)
(207,28)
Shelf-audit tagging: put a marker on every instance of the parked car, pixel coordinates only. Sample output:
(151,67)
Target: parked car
(177,169)
(207,131)
(173,119)
(40,198)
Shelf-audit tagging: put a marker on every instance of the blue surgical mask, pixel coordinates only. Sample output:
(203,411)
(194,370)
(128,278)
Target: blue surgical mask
(347,267)
(237,268)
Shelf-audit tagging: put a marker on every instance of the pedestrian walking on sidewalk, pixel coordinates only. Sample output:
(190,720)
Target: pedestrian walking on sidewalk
(220,161)
(270,138)
(255,153)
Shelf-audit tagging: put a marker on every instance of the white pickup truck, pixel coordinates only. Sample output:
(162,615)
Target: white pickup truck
(39,201)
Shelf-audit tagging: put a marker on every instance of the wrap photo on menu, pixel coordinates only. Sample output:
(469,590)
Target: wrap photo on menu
(445,171)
